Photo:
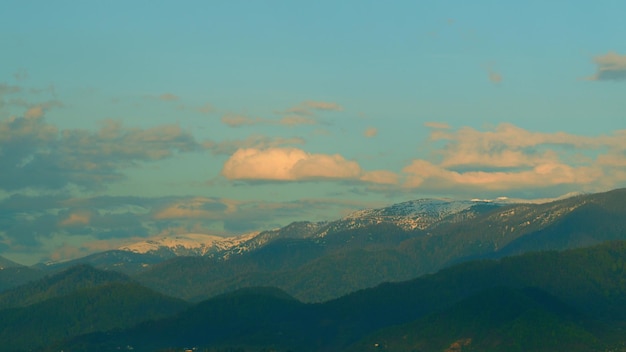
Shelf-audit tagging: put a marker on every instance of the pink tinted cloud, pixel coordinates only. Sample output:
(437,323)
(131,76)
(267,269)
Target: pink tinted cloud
(509,157)
(292,164)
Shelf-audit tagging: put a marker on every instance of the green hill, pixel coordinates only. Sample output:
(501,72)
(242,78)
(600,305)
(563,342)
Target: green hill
(110,306)
(558,301)
(62,283)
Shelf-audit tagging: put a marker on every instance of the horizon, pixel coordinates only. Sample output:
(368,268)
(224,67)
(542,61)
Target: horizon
(123,122)
(138,243)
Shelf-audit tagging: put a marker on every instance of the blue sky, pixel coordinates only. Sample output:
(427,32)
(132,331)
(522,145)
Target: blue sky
(122,120)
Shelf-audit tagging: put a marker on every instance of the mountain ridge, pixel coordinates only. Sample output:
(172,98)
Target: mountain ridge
(516,303)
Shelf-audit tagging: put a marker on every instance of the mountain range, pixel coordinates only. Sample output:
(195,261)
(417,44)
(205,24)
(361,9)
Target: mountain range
(318,261)
(424,275)
(545,301)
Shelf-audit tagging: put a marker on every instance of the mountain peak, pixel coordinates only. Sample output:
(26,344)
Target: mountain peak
(187,244)
(6,263)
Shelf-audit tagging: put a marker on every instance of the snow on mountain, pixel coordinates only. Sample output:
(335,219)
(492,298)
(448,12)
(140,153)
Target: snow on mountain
(188,244)
(411,215)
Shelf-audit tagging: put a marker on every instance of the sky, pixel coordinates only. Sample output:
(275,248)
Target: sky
(124,120)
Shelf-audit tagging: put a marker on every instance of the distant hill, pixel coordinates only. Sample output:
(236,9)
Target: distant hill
(109,306)
(496,319)
(6,263)
(546,301)
(17,275)
(126,262)
(62,283)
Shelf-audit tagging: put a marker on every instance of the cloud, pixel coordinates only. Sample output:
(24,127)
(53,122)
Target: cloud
(610,67)
(253,141)
(381,177)
(309,107)
(428,175)
(237,120)
(6,89)
(168,97)
(370,132)
(292,164)
(287,164)
(205,109)
(511,158)
(495,77)
(36,154)
(437,125)
(34,226)
(76,219)
(21,74)
(322,105)
(197,207)
(301,114)
(293,120)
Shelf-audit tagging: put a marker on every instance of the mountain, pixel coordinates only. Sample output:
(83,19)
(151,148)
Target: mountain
(187,245)
(59,284)
(6,263)
(315,262)
(496,319)
(109,306)
(116,260)
(417,214)
(545,301)
(318,261)
(14,276)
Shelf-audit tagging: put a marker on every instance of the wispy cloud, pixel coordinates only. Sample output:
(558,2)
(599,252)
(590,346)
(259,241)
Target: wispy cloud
(610,67)
(301,114)
(256,141)
(309,107)
(437,125)
(205,109)
(168,97)
(6,89)
(238,120)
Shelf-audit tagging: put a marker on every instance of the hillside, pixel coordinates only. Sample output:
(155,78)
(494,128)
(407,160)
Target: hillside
(101,308)
(496,319)
(564,301)
(62,283)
